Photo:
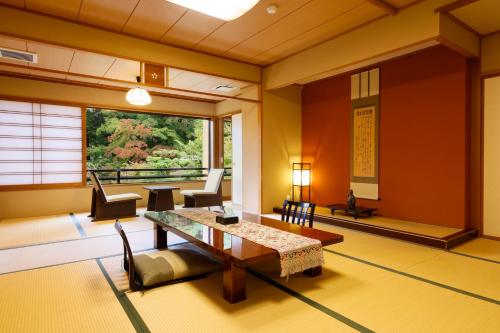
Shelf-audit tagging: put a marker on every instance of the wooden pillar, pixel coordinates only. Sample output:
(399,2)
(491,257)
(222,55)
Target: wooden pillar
(218,138)
(475,190)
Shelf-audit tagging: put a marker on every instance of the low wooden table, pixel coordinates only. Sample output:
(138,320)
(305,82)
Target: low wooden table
(355,212)
(237,253)
(160,198)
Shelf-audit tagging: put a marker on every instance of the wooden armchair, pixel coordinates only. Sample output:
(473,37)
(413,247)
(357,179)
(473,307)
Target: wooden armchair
(105,207)
(211,195)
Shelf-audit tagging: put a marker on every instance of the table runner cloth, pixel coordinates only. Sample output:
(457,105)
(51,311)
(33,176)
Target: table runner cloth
(297,253)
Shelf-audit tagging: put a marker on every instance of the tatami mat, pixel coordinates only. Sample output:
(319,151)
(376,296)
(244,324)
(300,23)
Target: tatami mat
(69,298)
(87,248)
(481,248)
(384,222)
(106,227)
(388,302)
(26,231)
(426,262)
(198,306)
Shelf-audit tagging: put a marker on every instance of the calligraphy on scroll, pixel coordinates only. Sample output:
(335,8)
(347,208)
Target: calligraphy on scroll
(364,145)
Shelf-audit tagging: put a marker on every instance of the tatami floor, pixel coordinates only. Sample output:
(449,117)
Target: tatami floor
(63,274)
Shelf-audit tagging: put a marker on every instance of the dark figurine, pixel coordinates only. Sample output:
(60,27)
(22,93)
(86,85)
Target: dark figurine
(351,200)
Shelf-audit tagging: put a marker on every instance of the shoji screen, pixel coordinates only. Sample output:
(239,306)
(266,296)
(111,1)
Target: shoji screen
(40,144)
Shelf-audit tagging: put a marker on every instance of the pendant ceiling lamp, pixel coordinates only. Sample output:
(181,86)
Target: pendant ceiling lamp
(223,9)
(138,96)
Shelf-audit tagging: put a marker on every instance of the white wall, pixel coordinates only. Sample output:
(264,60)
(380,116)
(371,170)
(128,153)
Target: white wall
(237,156)
(491,185)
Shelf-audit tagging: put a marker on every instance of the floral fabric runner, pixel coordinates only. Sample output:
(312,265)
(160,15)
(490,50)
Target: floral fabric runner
(297,253)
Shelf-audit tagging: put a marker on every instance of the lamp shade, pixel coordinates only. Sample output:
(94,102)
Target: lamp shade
(223,9)
(138,96)
(301,177)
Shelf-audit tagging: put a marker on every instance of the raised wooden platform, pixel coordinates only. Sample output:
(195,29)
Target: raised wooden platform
(435,236)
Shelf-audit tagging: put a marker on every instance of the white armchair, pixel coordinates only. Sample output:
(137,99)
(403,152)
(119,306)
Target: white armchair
(211,195)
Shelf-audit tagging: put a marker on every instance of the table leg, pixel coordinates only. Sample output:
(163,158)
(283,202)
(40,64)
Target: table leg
(164,201)
(151,201)
(234,278)
(315,271)
(160,237)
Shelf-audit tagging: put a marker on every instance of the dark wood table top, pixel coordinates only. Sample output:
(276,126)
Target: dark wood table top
(232,247)
(161,188)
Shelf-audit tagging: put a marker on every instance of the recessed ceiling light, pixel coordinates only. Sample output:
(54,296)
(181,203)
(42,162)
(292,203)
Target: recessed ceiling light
(224,88)
(272,9)
(224,9)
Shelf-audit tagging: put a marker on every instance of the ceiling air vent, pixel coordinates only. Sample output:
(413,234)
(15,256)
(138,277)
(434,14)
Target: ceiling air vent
(18,55)
(224,88)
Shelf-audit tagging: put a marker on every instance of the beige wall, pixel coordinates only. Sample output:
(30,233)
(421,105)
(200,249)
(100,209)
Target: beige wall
(34,89)
(490,54)
(413,28)
(43,28)
(281,143)
(491,188)
(28,203)
(251,138)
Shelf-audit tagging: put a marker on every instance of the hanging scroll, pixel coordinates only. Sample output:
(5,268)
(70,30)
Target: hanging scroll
(364,134)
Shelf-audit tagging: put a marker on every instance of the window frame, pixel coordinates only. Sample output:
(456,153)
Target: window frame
(84,144)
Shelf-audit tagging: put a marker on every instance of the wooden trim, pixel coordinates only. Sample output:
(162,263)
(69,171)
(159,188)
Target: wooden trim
(102,78)
(456,48)
(151,112)
(101,86)
(454,5)
(442,243)
(228,114)
(490,33)
(38,186)
(490,74)
(491,237)
(218,142)
(132,36)
(40,101)
(385,6)
(102,106)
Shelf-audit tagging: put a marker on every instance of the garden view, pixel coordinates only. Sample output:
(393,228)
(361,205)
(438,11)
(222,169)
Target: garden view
(143,141)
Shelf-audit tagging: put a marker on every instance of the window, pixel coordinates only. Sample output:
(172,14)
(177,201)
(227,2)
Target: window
(126,147)
(40,144)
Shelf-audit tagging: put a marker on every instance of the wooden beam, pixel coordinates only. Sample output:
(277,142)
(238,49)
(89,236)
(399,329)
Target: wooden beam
(385,6)
(454,5)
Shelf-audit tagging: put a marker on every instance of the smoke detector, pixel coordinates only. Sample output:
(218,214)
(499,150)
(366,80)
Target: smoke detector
(224,88)
(18,55)
(272,9)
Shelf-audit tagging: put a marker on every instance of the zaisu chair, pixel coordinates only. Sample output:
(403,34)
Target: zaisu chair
(161,267)
(105,207)
(291,209)
(211,195)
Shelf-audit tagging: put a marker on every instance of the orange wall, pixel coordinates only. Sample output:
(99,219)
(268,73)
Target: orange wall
(424,125)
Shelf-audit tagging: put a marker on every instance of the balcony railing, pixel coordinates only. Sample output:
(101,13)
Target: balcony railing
(125,175)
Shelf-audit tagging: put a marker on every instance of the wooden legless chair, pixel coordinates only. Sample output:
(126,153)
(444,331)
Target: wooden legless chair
(211,195)
(105,207)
